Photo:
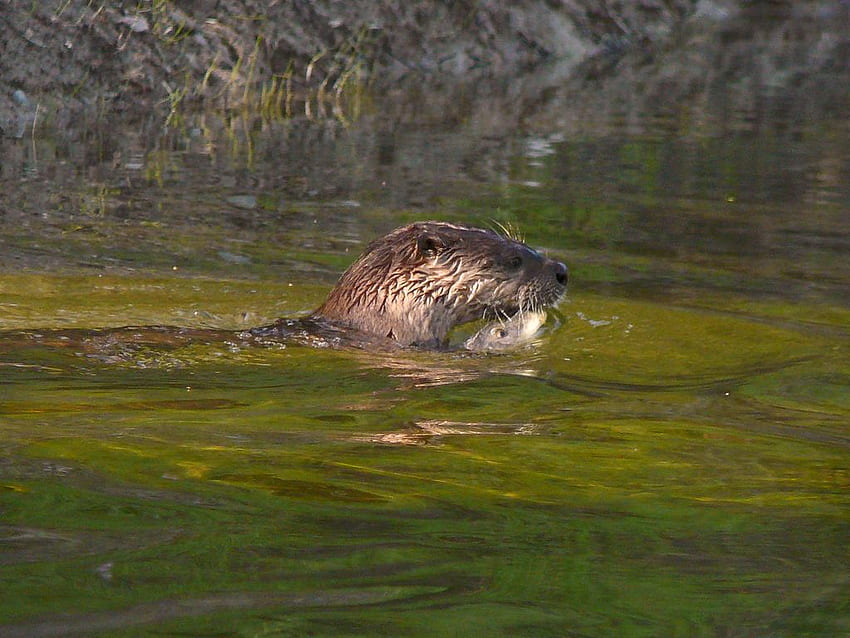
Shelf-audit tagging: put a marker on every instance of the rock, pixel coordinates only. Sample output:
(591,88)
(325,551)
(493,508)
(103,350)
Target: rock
(137,24)
(20,98)
(246,202)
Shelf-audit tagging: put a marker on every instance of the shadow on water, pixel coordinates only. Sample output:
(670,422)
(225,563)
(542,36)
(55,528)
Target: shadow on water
(670,457)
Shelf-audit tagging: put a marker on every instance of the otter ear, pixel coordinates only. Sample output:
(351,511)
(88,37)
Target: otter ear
(429,245)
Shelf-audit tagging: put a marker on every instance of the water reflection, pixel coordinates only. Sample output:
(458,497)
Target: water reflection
(766,201)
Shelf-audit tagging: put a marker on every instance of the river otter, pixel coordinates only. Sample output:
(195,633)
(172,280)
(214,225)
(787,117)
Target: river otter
(409,288)
(412,286)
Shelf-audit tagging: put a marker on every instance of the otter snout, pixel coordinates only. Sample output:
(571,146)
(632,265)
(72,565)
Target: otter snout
(561,272)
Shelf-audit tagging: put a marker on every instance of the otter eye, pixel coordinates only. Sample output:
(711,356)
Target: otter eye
(513,263)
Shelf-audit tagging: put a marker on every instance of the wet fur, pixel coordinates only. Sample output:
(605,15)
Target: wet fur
(419,281)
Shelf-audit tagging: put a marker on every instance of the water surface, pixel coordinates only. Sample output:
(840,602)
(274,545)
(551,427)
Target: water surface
(670,458)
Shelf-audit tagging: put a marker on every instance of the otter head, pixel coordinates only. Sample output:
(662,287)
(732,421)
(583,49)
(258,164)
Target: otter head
(418,282)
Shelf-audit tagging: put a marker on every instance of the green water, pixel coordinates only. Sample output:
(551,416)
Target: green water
(671,458)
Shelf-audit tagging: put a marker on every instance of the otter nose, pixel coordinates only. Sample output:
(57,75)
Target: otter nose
(561,273)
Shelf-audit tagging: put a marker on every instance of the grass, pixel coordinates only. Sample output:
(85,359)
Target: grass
(331,84)
(196,62)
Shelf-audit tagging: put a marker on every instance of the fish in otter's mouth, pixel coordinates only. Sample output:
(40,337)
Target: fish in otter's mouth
(418,282)
(507,334)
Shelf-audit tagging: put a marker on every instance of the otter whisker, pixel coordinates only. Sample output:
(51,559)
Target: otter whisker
(508,230)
